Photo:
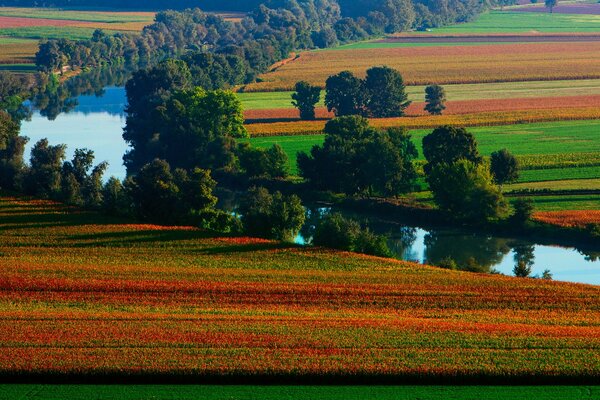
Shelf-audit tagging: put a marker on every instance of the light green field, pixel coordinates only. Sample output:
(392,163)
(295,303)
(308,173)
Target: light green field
(521,22)
(550,152)
(184,392)
(548,138)
(88,16)
(477,91)
(51,32)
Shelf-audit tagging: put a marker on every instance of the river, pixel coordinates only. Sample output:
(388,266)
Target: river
(96,121)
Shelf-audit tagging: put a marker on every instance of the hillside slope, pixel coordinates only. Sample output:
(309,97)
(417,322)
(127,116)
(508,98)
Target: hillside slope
(83,295)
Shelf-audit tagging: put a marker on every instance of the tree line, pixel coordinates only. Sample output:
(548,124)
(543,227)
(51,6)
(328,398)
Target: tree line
(268,33)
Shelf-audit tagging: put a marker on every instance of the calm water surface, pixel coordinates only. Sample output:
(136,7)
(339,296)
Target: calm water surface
(96,123)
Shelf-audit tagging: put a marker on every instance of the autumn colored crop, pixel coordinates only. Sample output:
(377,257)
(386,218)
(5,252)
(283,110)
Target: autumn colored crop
(569,219)
(445,64)
(82,293)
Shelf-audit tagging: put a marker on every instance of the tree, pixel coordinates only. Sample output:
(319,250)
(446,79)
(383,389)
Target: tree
(522,270)
(43,178)
(551,4)
(272,216)
(435,99)
(359,159)
(345,94)
(270,163)
(165,196)
(523,210)
(386,93)
(12,147)
(114,198)
(190,128)
(465,191)
(448,144)
(335,231)
(305,98)
(504,167)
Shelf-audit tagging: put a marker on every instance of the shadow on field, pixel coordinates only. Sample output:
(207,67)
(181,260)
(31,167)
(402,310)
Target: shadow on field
(244,248)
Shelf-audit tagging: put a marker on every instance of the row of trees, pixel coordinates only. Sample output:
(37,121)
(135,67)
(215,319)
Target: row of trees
(382,94)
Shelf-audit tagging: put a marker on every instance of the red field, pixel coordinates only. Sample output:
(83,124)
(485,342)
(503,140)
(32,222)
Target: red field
(17,22)
(569,218)
(80,294)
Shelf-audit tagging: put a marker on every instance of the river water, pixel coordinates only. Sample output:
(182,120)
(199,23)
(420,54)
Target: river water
(96,121)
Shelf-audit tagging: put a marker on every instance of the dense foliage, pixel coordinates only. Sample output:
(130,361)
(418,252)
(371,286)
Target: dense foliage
(359,159)
(382,94)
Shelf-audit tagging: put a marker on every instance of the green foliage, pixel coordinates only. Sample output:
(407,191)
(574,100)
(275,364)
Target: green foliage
(345,94)
(172,197)
(386,93)
(43,178)
(271,216)
(359,159)
(448,263)
(523,210)
(188,128)
(504,167)
(550,4)
(435,99)
(465,190)
(522,270)
(336,232)
(270,163)
(448,144)
(305,98)
(115,200)
(12,147)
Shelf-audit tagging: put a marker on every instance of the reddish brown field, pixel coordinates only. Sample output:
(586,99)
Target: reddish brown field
(496,38)
(18,22)
(453,107)
(445,64)
(569,218)
(581,9)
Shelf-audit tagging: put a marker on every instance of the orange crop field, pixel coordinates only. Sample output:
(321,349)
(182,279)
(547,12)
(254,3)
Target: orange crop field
(17,53)
(82,294)
(569,218)
(428,121)
(452,107)
(445,64)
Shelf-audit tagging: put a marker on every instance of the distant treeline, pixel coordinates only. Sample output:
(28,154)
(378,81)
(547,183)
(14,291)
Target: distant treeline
(267,34)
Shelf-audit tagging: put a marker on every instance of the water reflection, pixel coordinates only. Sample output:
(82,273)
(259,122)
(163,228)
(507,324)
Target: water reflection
(486,252)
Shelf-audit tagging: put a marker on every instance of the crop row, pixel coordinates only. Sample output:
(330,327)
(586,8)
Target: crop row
(81,293)
(569,218)
(476,119)
(452,107)
(445,64)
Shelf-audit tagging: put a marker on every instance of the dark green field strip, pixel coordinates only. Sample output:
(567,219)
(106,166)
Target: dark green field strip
(184,392)
(554,174)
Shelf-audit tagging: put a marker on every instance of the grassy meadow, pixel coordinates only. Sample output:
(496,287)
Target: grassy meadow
(191,392)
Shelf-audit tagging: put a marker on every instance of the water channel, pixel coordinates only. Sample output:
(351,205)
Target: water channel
(95,121)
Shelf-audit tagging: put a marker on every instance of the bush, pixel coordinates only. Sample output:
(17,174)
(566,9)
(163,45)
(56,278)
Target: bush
(522,270)
(271,216)
(523,210)
(337,232)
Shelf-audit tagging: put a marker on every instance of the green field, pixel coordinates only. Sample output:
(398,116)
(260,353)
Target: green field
(117,392)
(394,45)
(556,155)
(521,22)
(477,91)
(87,16)
(51,32)
(548,138)
(18,67)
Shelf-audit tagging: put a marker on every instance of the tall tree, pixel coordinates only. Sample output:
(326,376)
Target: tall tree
(435,99)
(305,98)
(465,190)
(386,92)
(448,144)
(359,159)
(504,167)
(345,94)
